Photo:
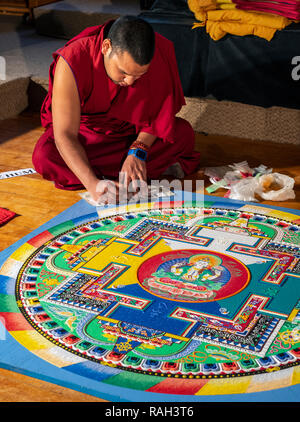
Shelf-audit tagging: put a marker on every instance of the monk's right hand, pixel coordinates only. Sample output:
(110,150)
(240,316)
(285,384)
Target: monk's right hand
(104,191)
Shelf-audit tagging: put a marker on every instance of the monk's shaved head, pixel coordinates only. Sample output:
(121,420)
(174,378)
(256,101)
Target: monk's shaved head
(134,36)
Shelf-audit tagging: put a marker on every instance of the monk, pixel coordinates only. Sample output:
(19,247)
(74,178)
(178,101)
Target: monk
(114,92)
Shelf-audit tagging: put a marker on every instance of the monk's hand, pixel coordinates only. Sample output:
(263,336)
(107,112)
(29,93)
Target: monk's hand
(104,191)
(133,175)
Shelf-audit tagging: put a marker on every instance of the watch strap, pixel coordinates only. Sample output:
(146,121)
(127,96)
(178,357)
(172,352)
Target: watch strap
(138,153)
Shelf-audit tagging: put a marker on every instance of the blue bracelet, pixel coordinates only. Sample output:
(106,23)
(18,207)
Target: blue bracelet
(138,153)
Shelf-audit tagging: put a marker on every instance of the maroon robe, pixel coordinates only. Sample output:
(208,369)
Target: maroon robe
(112,116)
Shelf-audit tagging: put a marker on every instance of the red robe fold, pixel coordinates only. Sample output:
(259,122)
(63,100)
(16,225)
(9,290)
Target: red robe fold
(111,116)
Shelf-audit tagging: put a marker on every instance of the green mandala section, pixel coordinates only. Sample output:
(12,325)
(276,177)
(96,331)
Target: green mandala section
(198,292)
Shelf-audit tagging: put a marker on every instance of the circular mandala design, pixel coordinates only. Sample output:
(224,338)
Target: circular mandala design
(125,291)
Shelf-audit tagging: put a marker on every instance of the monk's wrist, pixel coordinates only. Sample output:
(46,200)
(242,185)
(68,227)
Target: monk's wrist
(139,144)
(91,183)
(139,150)
(146,138)
(138,153)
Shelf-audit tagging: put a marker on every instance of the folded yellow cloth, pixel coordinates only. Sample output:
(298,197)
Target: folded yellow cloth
(223,1)
(239,22)
(230,20)
(226,6)
(200,8)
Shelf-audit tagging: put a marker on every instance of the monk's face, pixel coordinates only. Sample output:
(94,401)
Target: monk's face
(120,66)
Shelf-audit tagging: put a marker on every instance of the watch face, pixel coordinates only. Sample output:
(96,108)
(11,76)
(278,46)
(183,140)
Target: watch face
(141,154)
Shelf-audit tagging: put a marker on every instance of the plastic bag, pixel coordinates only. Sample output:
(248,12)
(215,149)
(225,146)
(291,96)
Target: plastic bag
(272,187)
(244,190)
(226,176)
(276,187)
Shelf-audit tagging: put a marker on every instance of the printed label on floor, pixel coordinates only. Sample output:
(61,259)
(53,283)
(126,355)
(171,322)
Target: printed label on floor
(15,173)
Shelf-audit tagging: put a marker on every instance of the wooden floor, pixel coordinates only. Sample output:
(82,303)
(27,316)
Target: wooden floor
(36,201)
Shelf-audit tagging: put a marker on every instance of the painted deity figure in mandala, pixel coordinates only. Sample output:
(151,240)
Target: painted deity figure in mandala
(198,274)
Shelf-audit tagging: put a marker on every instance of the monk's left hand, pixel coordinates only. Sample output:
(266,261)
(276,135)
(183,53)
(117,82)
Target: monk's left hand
(133,174)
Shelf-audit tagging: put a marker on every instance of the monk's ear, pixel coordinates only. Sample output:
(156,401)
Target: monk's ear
(106,46)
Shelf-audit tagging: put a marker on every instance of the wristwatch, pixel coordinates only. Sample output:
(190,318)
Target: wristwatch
(138,153)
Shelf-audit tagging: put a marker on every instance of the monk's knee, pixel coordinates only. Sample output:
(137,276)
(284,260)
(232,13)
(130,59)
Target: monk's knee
(185,135)
(45,157)
(40,156)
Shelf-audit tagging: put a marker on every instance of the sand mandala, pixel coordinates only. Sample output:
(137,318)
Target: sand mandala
(185,300)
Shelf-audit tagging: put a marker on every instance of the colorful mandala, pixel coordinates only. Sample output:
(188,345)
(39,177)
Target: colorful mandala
(192,300)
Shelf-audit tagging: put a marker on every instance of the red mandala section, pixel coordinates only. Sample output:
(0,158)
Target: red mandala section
(193,275)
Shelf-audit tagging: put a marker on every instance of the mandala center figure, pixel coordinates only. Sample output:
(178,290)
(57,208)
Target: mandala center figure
(193,275)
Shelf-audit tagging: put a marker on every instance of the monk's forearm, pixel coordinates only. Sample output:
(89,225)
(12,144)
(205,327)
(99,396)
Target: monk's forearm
(146,138)
(76,159)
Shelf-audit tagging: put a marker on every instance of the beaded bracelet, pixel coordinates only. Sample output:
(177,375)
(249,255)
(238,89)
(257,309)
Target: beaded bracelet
(139,145)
